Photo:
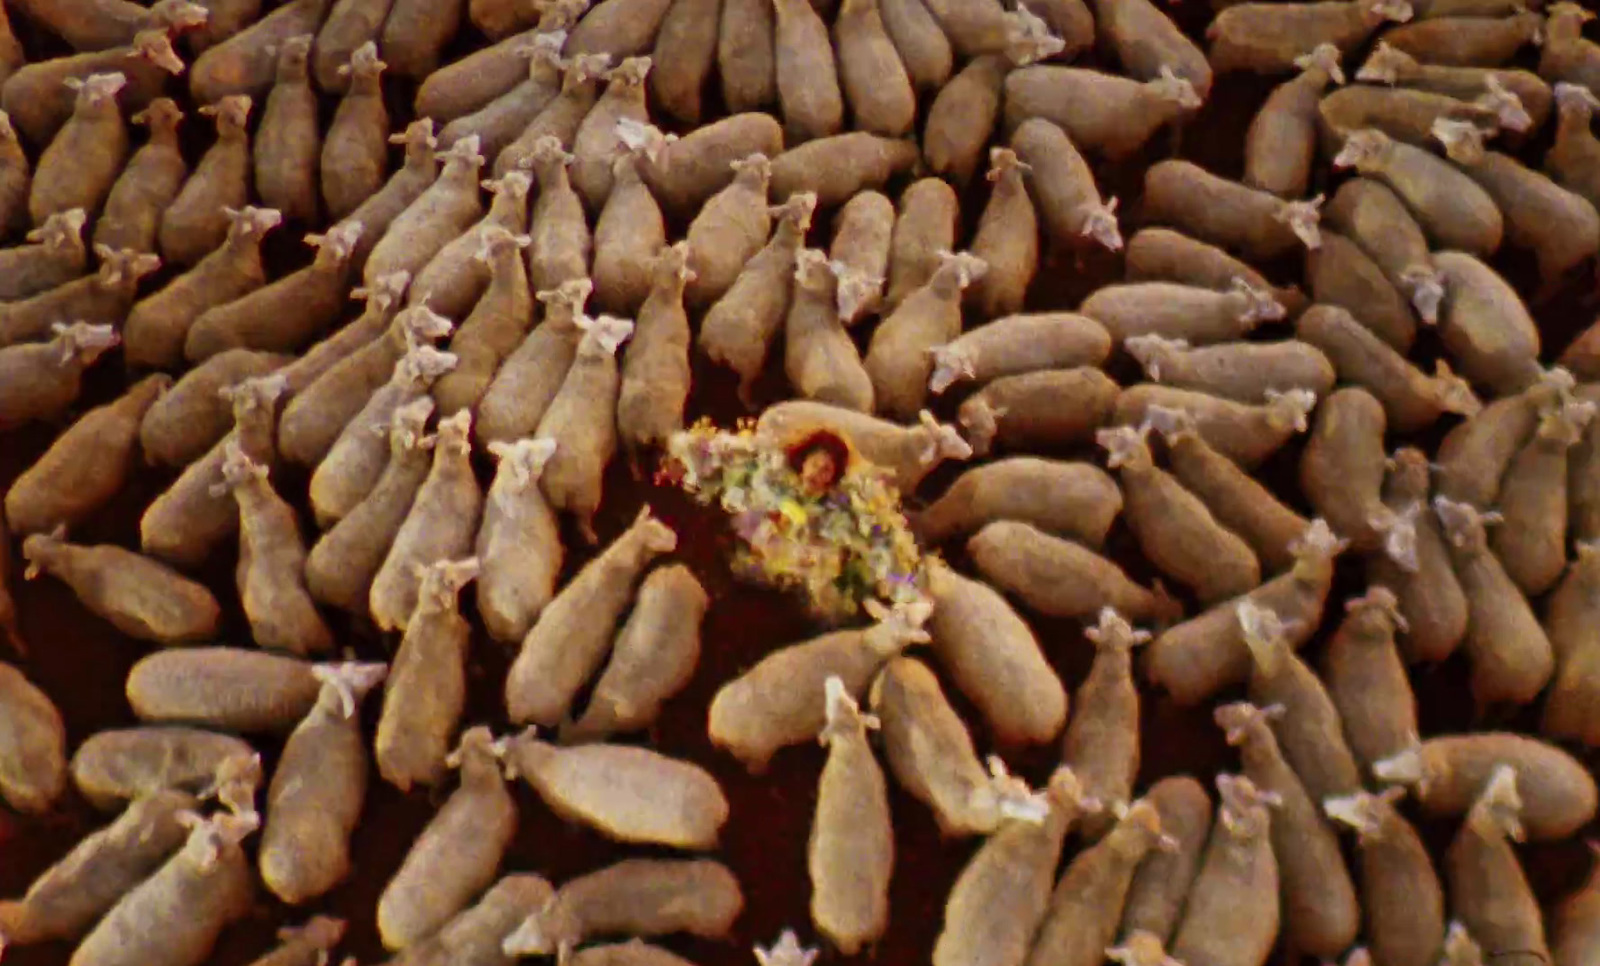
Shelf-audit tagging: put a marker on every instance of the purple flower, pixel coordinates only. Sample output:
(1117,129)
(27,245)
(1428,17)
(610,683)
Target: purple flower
(748,523)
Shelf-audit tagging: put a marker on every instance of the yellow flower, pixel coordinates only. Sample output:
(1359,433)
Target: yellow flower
(793,512)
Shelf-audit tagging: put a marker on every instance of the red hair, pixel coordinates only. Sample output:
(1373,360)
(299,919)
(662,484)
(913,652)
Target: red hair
(821,441)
